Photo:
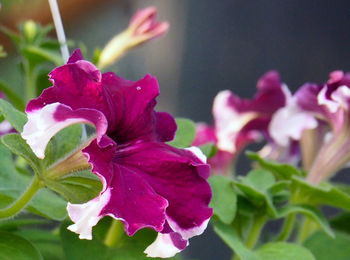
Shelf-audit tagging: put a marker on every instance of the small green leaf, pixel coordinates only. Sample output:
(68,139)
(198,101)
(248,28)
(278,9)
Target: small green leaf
(11,95)
(19,147)
(185,134)
(39,54)
(16,247)
(284,251)
(16,118)
(13,183)
(325,248)
(209,150)
(77,187)
(224,200)
(231,238)
(310,212)
(256,188)
(323,194)
(281,171)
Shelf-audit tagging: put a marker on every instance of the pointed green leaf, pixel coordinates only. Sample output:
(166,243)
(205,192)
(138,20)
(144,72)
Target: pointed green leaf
(310,212)
(19,147)
(229,235)
(16,118)
(224,200)
(185,134)
(17,248)
(281,171)
(285,251)
(325,248)
(13,183)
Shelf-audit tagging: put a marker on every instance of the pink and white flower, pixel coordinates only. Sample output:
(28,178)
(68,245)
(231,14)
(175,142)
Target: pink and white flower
(146,183)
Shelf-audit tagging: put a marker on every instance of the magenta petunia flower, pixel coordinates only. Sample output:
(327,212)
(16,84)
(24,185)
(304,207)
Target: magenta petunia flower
(146,183)
(320,114)
(239,122)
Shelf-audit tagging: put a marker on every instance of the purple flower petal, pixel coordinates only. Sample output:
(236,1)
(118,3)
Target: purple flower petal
(162,182)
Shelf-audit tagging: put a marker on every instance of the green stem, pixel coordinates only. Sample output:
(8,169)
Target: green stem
(255,231)
(287,228)
(306,229)
(114,233)
(23,200)
(30,82)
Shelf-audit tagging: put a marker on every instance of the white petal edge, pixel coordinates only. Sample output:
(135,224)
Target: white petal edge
(42,126)
(198,153)
(228,122)
(188,233)
(323,100)
(87,215)
(289,123)
(162,247)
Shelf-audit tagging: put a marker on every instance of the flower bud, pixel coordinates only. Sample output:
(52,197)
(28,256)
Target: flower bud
(142,28)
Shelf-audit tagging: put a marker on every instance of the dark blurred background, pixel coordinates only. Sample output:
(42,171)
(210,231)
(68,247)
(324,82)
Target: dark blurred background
(211,46)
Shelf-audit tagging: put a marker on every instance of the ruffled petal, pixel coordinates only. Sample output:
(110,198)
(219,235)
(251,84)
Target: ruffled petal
(151,183)
(133,199)
(127,105)
(44,123)
(166,245)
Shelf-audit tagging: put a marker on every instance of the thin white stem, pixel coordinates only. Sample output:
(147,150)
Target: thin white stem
(59,29)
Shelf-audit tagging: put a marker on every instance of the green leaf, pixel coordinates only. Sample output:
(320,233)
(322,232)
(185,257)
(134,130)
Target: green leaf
(12,184)
(310,212)
(231,238)
(16,247)
(16,118)
(281,171)
(19,147)
(185,134)
(81,249)
(224,200)
(256,188)
(11,95)
(12,224)
(48,243)
(39,54)
(209,150)
(325,248)
(323,194)
(285,251)
(341,222)
(78,187)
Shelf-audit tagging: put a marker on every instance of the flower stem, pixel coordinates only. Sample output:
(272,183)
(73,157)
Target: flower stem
(255,231)
(114,233)
(59,29)
(306,229)
(30,81)
(23,200)
(287,228)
